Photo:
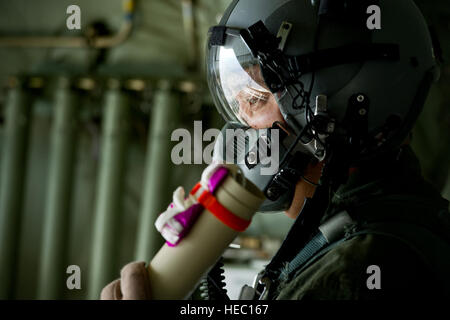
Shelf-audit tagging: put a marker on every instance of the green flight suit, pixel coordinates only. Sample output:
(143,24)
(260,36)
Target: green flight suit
(342,272)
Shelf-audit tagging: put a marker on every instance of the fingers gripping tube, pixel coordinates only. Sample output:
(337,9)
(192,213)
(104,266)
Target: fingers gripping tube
(199,228)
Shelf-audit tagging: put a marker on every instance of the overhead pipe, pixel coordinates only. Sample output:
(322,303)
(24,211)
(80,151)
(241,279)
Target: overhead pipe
(13,167)
(158,169)
(109,189)
(51,282)
(100,42)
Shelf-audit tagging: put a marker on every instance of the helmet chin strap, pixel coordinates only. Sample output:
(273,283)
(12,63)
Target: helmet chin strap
(304,227)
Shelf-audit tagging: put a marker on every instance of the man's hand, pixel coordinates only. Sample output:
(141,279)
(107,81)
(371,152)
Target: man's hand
(134,284)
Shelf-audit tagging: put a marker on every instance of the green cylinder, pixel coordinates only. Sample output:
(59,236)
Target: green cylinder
(158,169)
(109,190)
(12,175)
(53,266)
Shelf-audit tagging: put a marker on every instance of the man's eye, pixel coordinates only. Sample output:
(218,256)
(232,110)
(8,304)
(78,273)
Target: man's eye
(252,100)
(253,94)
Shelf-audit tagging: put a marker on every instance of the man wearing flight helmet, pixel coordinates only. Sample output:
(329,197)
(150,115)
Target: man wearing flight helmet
(343,99)
(350,96)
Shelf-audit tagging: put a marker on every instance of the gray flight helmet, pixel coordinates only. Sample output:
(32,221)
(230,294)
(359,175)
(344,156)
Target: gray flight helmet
(362,89)
(391,92)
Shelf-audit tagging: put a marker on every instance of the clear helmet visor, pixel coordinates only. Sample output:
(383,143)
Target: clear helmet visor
(238,87)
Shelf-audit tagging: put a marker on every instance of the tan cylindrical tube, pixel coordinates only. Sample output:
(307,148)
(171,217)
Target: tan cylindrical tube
(175,271)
